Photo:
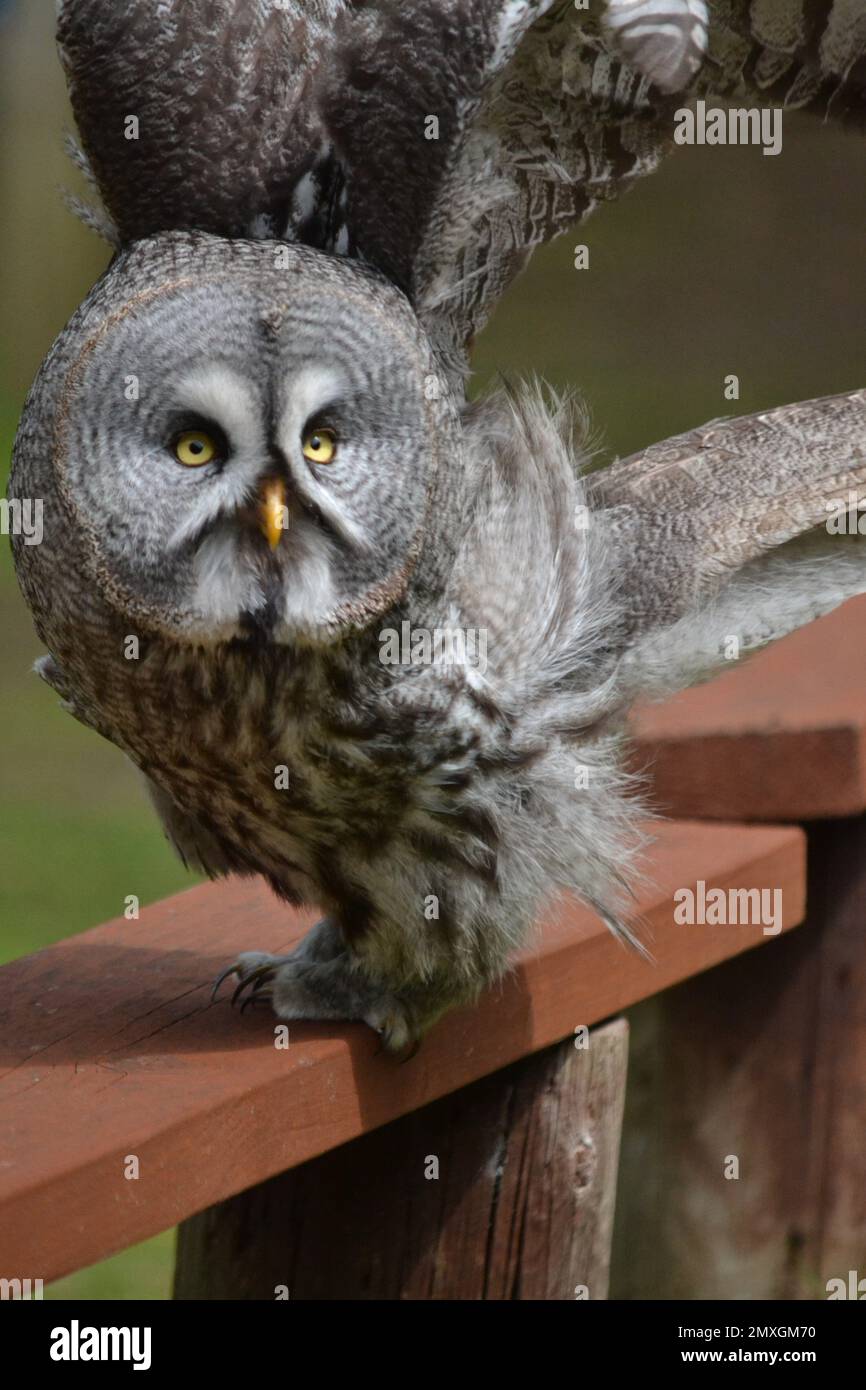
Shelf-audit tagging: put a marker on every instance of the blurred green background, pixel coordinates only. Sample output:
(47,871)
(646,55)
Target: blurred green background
(726,261)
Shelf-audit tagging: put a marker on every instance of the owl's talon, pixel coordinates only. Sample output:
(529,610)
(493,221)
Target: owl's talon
(252,968)
(220,980)
(302,986)
(237,992)
(396,1029)
(254,981)
(253,999)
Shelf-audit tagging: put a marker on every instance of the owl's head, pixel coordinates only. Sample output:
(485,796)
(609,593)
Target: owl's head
(247,437)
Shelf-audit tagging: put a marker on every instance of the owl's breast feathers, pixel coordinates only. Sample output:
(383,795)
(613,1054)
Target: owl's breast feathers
(299,763)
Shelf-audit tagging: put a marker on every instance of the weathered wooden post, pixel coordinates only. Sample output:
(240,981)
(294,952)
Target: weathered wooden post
(503,1190)
(744,1165)
(762,1060)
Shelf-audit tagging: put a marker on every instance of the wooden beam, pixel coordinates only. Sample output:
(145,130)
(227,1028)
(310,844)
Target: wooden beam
(504,1190)
(781,737)
(113,1060)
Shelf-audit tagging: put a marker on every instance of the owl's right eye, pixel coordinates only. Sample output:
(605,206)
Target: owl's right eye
(193,448)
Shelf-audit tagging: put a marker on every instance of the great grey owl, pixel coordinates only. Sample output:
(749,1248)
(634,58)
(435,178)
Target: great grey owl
(357,633)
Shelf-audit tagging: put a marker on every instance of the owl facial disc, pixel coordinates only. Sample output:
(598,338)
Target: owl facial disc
(249,442)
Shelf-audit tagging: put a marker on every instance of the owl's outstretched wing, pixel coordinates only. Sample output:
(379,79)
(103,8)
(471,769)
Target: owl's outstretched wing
(538,120)
(632,581)
(203,113)
(441,140)
(748,527)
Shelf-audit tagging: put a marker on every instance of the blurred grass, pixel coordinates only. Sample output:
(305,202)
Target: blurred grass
(144,1272)
(725,261)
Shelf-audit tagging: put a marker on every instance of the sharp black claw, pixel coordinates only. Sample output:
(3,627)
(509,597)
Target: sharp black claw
(238,991)
(220,979)
(254,981)
(254,998)
(413,1052)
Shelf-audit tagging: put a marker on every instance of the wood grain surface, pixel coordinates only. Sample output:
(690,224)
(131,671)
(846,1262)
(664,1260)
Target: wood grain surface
(503,1190)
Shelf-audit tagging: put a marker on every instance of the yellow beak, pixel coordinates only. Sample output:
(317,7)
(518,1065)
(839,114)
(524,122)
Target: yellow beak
(274,516)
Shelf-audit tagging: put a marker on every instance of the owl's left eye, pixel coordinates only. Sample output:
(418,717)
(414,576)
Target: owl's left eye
(196,447)
(319,445)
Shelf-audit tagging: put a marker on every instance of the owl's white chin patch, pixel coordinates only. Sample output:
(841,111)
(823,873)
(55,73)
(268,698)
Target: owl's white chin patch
(225,585)
(292,592)
(308,588)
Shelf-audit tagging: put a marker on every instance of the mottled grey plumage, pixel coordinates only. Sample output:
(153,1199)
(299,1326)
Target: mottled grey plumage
(296,256)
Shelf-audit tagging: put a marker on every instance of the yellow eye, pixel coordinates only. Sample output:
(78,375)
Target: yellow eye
(320,446)
(195,447)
